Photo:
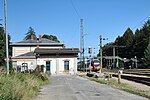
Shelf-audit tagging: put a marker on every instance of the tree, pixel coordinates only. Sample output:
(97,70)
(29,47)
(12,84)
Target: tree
(46,36)
(142,39)
(119,41)
(51,37)
(147,57)
(30,33)
(127,41)
(128,37)
(2,46)
(136,44)
(54,38)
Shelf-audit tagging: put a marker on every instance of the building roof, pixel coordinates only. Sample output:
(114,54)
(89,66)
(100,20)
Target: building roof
(56,50)
(26,55)
(42,41)
(48,51)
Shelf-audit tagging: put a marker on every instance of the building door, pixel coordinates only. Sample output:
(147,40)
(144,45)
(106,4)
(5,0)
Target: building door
(66,65)
(48,67)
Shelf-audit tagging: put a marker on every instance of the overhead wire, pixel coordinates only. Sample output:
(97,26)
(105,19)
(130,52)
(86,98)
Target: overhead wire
(141,21)
(75,12)
(75,9)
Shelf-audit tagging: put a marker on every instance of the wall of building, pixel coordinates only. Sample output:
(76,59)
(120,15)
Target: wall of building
(42,61)
(57,64)
(30,62)
(22,50)
(72,64)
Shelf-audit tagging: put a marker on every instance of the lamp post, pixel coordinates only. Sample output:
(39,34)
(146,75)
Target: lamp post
(6,33)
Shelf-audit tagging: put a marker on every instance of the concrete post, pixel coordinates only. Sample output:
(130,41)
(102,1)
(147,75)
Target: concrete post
(119,76)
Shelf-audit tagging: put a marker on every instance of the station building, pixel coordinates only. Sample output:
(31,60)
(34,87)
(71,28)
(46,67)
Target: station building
(53,56)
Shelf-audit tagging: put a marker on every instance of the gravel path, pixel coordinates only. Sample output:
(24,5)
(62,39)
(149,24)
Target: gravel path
(68,87)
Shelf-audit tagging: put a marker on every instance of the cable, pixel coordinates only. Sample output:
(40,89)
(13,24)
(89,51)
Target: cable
(141,21)
(75,9)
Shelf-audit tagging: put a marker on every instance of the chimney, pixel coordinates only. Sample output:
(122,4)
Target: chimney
(37,46)
(40,37)
(32,37)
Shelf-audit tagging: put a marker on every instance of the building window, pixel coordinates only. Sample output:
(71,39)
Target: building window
(66,65)
(48,67)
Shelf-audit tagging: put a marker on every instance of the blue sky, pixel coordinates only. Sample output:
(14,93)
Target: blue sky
(109,18)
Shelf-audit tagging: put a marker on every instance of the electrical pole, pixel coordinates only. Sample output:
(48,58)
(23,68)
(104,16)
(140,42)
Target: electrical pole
(6,33)
(81,48)
(82,43)
(114,55)
(100,52)
(90,52)
(101,56)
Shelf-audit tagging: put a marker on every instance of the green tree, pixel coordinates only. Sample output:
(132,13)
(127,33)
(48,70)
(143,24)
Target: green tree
(142,39)
(46,36)
(128,37)
(127,41)
(2,46)
(51,37)
(136,44)
(147,57)
(54,38)
(30,33)
(119,41)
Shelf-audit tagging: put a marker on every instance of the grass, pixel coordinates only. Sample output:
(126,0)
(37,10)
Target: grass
(98,81)
(125,87)
(122,86)
(20,86)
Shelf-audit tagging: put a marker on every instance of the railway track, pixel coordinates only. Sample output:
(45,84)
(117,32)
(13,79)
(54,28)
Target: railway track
(138,73)
(136,78)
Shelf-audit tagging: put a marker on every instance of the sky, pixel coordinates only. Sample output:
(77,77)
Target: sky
(109,18)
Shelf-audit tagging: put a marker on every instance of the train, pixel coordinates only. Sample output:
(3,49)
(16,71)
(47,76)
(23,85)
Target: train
(87,65)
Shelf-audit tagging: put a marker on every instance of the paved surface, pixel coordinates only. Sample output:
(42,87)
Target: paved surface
(67,87)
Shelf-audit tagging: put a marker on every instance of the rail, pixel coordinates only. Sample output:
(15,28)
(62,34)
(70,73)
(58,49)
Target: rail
(136,78)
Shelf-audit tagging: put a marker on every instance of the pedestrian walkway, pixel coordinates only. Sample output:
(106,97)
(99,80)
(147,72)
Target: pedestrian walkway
(69,87)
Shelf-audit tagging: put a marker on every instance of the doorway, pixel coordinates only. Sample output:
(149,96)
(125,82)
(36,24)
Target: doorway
(66,65)
(48,67)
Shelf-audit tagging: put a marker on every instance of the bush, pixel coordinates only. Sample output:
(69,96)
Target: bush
(41,76)
(19,86)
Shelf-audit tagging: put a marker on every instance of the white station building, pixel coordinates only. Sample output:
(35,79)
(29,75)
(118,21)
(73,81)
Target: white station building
(51,55)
